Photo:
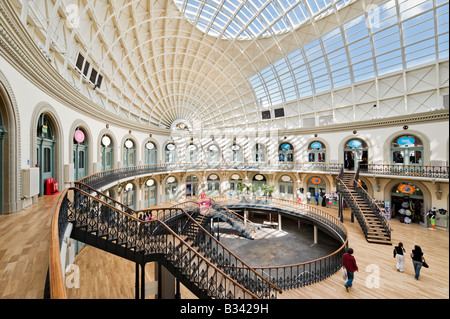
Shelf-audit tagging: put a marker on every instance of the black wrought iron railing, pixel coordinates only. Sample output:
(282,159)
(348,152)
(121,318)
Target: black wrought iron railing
(406,170)
(306,273)
(210,270)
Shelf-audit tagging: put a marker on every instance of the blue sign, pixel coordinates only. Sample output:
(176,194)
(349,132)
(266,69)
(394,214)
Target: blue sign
(406,140)
(355,143)
(286,147)
(316,145)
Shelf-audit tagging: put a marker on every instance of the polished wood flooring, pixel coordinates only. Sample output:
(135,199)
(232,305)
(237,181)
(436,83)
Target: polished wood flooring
(24,247)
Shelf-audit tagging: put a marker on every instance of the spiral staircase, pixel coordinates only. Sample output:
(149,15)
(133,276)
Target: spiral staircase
(177,239)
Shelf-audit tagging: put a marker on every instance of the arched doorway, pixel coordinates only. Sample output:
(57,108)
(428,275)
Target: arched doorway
(150,193)
(80,147)
(286,153)
(407,150)
(171,189)
(237,155)
(235,181)
(171,153)
(150,153)
(129,153)
(316,152)
(213,185)
(259,153)
(258,183)
(129,198)
(355,153)
(316,185)
(407,203)
(107,152)
(45,145)
(192,186)
(2,135)
(286,187)
(192,155)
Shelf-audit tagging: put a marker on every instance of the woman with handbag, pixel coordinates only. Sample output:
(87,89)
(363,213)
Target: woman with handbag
(417,259)
(399,254)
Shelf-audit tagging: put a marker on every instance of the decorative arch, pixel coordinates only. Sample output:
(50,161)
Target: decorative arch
(425,140)
(10,197)
(50,112)
(84,127)
(107,131)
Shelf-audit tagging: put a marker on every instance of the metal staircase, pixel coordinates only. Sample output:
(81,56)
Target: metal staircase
(369,215)
(174,239)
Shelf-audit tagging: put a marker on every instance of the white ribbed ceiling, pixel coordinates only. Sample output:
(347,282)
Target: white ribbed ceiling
(218,64)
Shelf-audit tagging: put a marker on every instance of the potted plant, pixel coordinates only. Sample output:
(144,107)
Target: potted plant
(242,188)
(268,191)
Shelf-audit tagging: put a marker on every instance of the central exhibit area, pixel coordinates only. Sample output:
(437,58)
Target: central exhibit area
(272,247)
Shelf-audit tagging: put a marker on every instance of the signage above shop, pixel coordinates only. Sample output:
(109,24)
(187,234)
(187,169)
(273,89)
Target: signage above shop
(316,180)
(355,143)
(407,189)
(406,140)
(79,136)
(316,145)
(286,146)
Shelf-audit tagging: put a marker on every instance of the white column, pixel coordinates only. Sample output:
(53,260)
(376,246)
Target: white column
(316,239)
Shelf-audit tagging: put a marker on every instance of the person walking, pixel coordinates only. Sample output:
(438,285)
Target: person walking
(417,259)
(349,264)
(399,254)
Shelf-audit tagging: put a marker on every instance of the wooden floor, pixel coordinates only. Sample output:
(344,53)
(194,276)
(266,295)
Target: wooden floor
(24,246)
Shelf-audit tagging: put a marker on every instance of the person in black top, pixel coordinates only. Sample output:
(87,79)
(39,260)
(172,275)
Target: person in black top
(417,259)
(399,254)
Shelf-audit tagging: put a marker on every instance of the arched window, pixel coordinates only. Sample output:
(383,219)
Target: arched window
(213,155)
(150,153)
(237,155)
(79,153)
(107,152)
(286,153)
(129,153)
(258,184)
(407,150)
(171,188)
(259,153)
(171,153)
(150,193)
(316,152)
(213,182)
(316,185)
(192,185)
(286,187)
(192,154)
(355,153)
(235,181)
(129,197)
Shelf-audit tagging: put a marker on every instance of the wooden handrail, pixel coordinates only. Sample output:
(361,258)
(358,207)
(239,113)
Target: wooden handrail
(362,215)
(56,280)
(379,208)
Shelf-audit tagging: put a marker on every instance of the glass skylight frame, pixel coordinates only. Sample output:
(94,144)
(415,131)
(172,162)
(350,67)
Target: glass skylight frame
(251,19)
(376,43)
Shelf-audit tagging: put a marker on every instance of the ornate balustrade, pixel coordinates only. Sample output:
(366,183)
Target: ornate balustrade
(306,273)
(210,268)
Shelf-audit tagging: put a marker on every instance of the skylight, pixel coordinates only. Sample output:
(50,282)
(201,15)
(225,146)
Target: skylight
(236,19)
(397,35)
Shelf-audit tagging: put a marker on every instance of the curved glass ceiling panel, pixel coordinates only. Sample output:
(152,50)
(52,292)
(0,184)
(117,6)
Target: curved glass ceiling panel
(397,35)
(236,19)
